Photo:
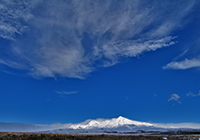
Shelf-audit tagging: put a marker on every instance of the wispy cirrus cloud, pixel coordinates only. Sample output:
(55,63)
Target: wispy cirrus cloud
(175,97)
(73,38)
(14,16)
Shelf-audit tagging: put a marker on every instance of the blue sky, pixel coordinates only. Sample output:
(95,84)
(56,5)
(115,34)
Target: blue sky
(68,61)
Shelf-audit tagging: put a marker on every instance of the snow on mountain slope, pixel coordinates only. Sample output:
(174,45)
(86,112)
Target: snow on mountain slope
(108,123)
(121,125)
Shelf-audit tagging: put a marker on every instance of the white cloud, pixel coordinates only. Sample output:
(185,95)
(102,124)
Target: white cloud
(73,38)
(175,97)
(192,94)
(185,64)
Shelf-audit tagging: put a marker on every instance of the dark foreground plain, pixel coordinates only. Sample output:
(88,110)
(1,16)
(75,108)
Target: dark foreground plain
(44,136)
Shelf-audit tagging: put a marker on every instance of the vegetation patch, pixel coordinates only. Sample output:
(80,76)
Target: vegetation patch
(44,136)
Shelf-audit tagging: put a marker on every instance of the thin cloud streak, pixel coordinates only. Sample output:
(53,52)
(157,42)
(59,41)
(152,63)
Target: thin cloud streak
(66,92)
(74,38)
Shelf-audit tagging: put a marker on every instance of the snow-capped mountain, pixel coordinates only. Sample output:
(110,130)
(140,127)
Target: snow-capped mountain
(108,123)
(119,125)
(114,125)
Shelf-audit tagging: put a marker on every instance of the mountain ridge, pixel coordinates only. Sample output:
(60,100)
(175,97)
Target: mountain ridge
(108,123)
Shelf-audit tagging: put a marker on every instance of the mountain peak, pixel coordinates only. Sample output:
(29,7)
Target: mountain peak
(120,117)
